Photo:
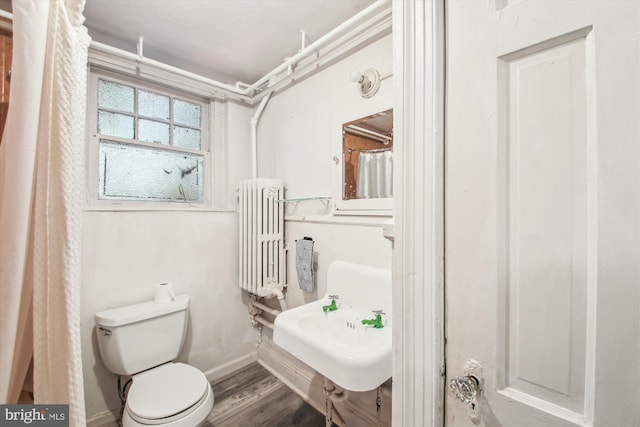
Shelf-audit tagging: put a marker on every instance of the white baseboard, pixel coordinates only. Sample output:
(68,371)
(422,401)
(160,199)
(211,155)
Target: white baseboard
(230,367)
(104,419)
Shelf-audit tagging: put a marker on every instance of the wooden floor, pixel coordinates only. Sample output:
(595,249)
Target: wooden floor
(255,398)
(252,397)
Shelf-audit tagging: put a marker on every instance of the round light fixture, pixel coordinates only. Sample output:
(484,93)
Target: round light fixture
(369,81)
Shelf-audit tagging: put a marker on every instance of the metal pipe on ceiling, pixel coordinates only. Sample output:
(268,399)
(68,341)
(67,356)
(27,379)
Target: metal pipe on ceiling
(313,47)
(162,66)
(253,89)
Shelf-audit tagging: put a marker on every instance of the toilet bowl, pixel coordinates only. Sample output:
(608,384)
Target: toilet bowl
(174,394)
(142,341)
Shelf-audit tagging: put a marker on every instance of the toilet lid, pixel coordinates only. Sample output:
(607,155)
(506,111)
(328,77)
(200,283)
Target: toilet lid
(166,390)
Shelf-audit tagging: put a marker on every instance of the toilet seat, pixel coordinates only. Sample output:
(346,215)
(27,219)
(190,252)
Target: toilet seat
(166,393)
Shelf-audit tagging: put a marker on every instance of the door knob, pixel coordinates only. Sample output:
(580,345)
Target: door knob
(466,388)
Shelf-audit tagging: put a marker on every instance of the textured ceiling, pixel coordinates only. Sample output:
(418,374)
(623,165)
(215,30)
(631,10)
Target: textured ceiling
(227,40)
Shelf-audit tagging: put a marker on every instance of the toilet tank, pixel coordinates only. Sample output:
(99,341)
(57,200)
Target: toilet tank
(137,337)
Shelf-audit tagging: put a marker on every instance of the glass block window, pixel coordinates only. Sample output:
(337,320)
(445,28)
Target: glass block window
(150,144)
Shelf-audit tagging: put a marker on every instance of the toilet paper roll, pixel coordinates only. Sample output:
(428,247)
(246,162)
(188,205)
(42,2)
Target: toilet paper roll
(164,293)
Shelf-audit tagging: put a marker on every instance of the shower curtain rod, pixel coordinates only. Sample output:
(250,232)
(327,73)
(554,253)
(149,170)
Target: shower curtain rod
(373,150)
(360,131)
(8,24)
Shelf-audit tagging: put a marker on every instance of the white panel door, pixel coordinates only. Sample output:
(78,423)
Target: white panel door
(542,212)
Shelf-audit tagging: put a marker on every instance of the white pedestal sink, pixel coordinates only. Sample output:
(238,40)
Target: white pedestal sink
(335,343)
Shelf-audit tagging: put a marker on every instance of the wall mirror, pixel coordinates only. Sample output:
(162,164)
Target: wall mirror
(363,159)
(367,157)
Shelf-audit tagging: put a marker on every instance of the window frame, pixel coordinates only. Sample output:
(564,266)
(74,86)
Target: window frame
(92,173)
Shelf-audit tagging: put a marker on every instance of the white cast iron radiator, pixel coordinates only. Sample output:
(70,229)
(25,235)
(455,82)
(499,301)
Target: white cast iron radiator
(261,226)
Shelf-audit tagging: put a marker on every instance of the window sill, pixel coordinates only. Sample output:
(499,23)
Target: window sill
(112,208)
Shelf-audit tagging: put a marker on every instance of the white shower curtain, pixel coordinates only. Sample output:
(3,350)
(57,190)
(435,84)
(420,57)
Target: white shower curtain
(41,187)
(375,174)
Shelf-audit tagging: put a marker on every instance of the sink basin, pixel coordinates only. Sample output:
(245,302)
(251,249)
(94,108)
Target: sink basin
(336,344)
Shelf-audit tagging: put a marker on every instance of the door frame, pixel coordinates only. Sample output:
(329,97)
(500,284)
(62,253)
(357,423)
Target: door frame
(418,255)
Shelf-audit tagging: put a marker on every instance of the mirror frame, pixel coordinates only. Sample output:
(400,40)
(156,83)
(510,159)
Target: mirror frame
(378,207)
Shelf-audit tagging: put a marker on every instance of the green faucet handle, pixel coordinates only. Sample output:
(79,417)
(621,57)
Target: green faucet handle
(376,323)
(331,307)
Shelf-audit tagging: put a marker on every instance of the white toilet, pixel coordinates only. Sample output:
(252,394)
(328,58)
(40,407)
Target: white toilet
(141,341)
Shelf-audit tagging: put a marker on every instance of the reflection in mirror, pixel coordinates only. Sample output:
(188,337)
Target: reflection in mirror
(367,153)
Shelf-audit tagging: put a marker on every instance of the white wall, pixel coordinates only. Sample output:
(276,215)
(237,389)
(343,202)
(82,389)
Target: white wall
(296,142)
(126,253)
(358,243)
(235,159)
(296,132)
